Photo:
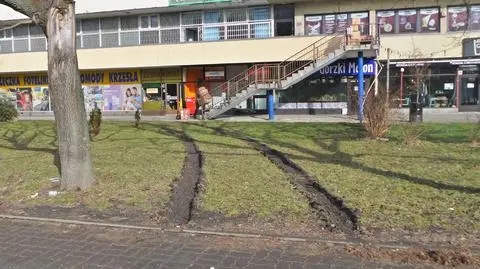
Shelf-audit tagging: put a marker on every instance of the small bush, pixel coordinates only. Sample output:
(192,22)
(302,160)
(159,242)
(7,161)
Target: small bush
(138,117)
(8,112)
(95,121)
(377,120)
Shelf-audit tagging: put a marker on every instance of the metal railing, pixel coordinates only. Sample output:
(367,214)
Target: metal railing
(272,75)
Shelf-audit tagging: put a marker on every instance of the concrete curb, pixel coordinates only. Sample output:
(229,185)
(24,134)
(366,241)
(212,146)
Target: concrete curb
(207,233)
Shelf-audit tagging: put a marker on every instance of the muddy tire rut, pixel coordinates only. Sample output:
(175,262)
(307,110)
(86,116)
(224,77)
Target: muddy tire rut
(330,210)
(185,188)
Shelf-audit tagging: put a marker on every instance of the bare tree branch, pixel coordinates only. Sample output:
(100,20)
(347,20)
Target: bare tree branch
(35,9)
(16,25)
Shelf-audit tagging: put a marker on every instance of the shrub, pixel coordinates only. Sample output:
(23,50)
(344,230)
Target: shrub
(138,117)
(8,112)
(95,121)
(377,120)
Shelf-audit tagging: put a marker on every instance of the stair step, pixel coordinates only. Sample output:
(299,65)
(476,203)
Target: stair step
(308,69)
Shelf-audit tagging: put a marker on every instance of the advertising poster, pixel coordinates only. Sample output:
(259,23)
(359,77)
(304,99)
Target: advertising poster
(386,21)
(457,18)
(93,97)
(474,18)
(429,20)
(41,99)
(362,20)
(132,97)
(112,97)
(342,22)
(329,24)
(313,25)
(24,99)
(407,21)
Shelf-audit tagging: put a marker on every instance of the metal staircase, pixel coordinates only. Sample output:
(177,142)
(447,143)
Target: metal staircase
(299,66)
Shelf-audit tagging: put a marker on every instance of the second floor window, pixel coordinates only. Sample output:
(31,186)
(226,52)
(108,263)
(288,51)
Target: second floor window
(421,20)
(336,23)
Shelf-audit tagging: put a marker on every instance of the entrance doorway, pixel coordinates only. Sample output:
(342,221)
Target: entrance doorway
(470,89)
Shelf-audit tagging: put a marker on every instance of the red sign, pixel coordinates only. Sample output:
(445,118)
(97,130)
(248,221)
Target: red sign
(407,21)
(386,21)
(457,18)
(429,20)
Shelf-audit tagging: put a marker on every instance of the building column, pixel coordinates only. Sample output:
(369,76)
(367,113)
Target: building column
(361,84)
(270,105)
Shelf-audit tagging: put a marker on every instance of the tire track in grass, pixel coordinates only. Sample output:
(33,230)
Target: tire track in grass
(185,188)
(327,207)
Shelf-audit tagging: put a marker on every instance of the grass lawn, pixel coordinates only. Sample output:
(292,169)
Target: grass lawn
(433,183)
(134,167)
(240,181)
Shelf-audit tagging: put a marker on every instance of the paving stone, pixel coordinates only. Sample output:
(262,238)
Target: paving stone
(34,245)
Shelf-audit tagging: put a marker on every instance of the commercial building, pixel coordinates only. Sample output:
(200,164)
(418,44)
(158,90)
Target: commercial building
(154,52)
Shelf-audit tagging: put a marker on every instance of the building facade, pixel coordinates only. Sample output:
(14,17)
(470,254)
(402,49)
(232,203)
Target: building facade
(152,53)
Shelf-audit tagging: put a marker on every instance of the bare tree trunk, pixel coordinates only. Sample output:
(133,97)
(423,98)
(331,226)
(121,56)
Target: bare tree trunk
(68,100)
(57,17)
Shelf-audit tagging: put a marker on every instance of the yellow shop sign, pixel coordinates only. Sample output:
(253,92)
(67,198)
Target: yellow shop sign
(19,80)
(110,77)
(86,78)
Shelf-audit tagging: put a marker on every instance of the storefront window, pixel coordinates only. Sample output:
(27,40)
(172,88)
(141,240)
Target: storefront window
(434,85)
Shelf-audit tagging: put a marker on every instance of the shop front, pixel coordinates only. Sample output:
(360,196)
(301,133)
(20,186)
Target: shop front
(163,87)
(468,80)
(333,89)
(436,84)
(113,90)
(196,76)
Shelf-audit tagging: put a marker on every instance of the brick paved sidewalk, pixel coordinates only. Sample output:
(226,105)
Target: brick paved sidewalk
(35,245)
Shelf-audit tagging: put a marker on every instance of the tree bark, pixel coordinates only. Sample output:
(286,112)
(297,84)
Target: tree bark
(57,18)
(68,100)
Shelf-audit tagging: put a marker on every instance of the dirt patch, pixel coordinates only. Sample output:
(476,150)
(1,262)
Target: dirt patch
(185,188)
(83,213)
(447,257)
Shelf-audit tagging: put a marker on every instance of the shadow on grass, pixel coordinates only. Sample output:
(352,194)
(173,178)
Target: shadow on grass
(19,140)
(436,133)
(338,157)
